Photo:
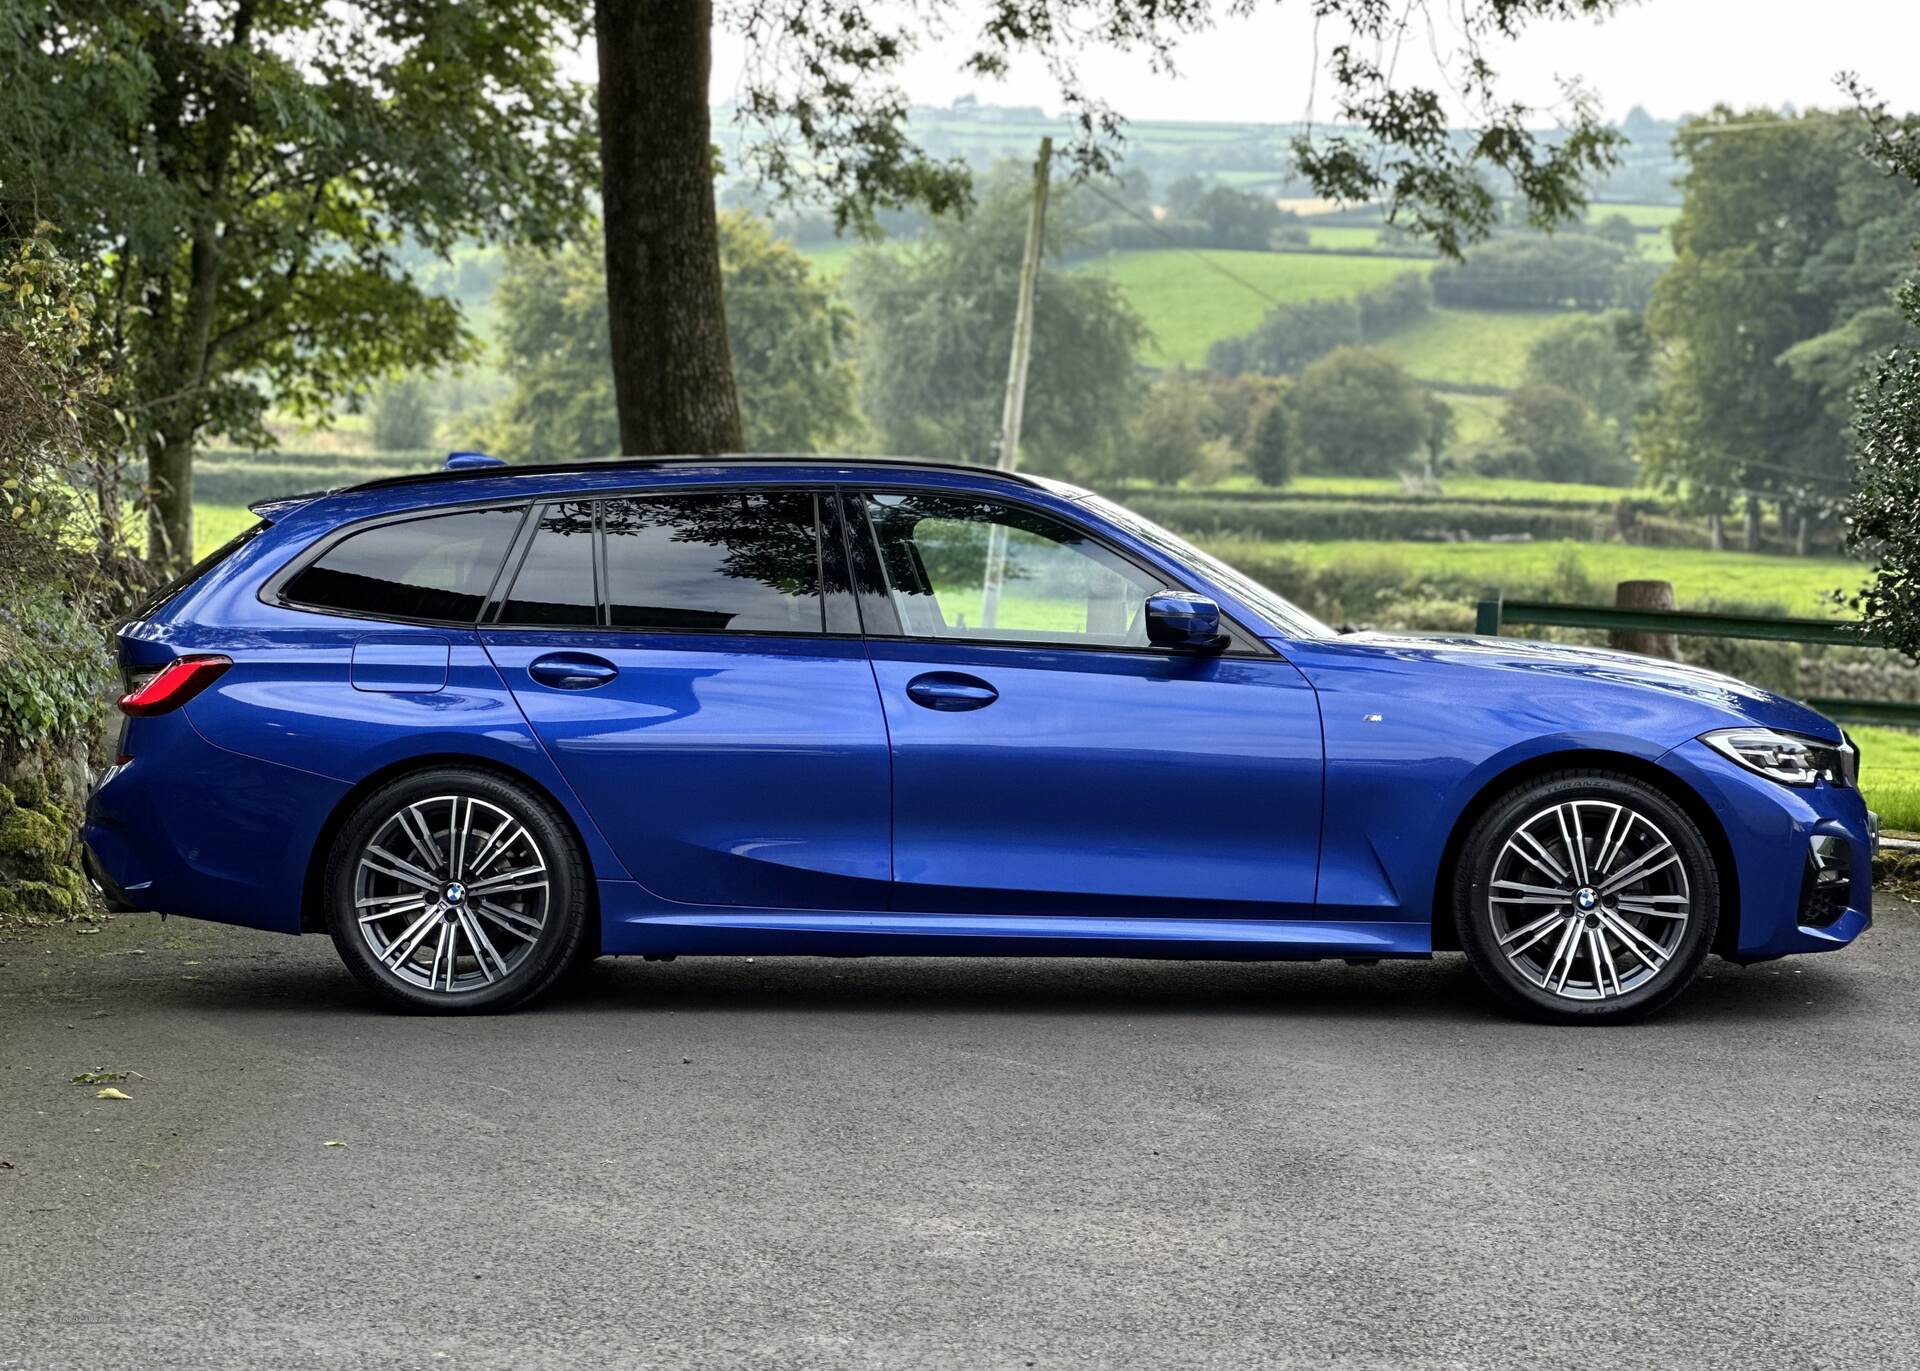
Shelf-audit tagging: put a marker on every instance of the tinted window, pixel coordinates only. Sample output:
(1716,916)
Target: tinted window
(435,568)
(739,562)
(959,568)
(555,581)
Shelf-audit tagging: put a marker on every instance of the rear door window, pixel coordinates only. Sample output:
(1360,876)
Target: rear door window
(438,568)
(555,584)
(714,562)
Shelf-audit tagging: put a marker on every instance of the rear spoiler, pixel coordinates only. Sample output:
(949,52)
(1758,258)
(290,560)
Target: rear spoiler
(275,506)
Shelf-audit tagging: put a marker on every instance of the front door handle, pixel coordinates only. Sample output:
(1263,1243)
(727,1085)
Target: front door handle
(951,690)
(572,670)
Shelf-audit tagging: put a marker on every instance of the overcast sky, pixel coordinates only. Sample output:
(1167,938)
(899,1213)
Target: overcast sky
(1672,56)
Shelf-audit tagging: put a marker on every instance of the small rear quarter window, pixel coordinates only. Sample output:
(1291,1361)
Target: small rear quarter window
(437,568)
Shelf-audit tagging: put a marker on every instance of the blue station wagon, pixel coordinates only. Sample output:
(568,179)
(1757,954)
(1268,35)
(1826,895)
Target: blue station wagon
(483,725)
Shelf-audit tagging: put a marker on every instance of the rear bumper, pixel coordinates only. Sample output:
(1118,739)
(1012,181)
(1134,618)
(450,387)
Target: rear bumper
(1803,857)
(192,829)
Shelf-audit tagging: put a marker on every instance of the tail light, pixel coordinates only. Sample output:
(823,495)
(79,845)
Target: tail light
(156,692)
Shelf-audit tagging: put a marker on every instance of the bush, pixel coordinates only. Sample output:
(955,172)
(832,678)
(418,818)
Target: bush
(1271,443)
(1358,413)
(1566,271)
(1425,520)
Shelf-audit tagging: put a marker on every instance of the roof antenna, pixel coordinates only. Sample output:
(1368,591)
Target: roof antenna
(470,461)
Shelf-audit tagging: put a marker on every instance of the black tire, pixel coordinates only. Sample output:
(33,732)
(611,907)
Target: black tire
(535,927)
(1508,905)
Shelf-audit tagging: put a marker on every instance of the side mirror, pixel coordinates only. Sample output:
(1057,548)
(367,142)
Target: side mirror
(1181,619)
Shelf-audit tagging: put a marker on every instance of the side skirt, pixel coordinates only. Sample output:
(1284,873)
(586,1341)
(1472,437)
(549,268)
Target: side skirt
(632,924)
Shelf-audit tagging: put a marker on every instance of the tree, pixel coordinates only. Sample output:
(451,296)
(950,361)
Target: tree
(1288,337)
(1556,427)
(1786,234)
(1237,219)
(1619,230)
(1602,358)
(1171,430)
(936,321)
(1442,425)
(1358,413)
(403,415)
(1271,443)
(242,174)
(791,341)
(1568,271)
(832,128)
(1883,519)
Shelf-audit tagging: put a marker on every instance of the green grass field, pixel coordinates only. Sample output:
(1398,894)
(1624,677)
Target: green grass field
(1344,237)
(1890,775)
(1188,304)
(1801,584)
(1453,487)
(1640,216)
(1470,347)
(830,260)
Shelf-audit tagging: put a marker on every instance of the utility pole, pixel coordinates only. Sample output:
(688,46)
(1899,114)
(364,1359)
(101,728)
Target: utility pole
(1015,405)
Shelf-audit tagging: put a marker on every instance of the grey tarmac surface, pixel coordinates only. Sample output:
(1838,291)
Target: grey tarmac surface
(891,1163)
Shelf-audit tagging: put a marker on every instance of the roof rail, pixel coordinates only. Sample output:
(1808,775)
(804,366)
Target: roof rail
(496,468)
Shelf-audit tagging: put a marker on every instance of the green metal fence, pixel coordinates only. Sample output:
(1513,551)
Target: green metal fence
(1497,612)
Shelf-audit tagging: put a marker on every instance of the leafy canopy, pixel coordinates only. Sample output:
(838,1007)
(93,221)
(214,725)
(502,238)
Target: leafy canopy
(791,340)
(243,175)
(823,92)
(935,323)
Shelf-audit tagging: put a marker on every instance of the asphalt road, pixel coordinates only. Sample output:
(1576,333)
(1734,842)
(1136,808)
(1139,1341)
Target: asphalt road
(897,1164)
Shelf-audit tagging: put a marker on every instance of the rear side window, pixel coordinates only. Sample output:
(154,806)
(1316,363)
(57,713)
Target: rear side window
(555,584)
(438,568)
(737,562)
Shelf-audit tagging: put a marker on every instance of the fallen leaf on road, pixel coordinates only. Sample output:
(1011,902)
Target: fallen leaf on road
(331,1143)
(100,1077)
(111,1094)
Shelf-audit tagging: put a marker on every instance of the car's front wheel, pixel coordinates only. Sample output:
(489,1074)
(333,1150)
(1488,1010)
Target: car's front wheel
(1586,897)
(456,891)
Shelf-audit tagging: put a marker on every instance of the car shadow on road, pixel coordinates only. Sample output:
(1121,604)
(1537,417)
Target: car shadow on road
(1441,991)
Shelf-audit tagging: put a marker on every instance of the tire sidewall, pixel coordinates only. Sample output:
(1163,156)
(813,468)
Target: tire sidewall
(1473,911)
(567,902)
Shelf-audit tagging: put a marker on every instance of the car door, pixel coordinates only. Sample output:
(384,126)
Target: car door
(1046,758)
(691,660)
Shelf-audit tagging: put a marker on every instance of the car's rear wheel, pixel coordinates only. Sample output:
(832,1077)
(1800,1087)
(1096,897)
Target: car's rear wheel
(1586,897)
(457,891)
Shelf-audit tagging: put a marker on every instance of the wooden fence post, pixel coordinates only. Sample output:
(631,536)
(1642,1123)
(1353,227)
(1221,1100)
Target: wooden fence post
(1644,595)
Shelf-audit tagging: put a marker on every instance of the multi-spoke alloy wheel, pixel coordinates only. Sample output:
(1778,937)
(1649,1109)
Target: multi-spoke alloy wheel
(1586,896)
(455,890)
(1589,899)
(451,893)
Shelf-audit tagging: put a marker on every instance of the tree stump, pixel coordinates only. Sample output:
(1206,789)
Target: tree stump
(1644,595)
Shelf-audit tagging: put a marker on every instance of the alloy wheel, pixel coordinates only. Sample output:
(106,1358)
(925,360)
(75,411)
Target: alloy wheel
(1589,900)
(451,893)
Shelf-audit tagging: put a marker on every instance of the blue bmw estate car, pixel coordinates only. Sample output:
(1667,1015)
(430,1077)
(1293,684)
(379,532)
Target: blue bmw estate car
(483,725)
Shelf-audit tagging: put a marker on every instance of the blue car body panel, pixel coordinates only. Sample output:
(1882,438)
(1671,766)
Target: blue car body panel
(1294,797)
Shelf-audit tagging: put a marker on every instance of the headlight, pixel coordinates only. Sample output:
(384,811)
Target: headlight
(1785,757)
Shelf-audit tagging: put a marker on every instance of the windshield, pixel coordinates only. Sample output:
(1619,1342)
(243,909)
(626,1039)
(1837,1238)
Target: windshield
(1286,617)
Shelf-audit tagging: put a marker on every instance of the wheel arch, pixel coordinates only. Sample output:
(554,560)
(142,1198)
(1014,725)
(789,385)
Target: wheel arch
(313,916)
(1726,938)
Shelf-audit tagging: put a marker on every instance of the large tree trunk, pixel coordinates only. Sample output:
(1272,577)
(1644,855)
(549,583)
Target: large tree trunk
(170,501)
(672,374)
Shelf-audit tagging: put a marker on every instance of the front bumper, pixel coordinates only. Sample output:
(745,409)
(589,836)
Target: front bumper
(1802,857)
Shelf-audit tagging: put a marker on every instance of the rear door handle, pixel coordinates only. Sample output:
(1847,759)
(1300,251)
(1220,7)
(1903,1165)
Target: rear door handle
(572,670)
(951,690)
